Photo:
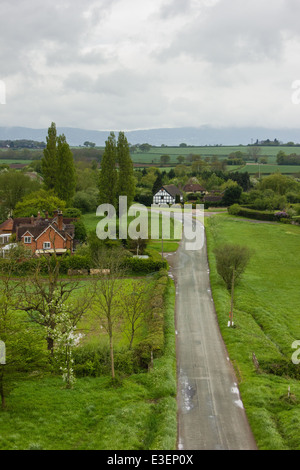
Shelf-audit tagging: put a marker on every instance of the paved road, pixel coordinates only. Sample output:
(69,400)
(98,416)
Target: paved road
(210,412)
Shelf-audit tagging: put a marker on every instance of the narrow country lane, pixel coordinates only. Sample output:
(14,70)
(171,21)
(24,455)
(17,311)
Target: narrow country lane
(210,411)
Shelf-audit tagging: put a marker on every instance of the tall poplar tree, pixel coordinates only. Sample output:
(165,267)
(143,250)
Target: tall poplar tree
(49,160)
(108,181)
(58,165)
(65,181)
(126,182)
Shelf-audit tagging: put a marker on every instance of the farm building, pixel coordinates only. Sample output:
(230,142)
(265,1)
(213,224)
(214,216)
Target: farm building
(168,194)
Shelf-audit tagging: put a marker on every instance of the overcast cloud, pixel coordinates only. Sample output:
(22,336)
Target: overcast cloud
(131,64)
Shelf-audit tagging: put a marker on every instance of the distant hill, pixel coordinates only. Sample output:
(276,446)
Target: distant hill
(197,136)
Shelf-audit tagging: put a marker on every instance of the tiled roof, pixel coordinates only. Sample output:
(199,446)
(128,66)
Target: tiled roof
(172,190)
(193,187)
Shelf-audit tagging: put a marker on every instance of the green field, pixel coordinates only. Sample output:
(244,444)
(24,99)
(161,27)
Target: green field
(266,317)
(8,161)
(269,169)
(153,156)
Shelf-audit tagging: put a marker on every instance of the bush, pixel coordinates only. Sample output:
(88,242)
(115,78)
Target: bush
(94,360)
(80,231)
(137,265)
(72,212)
(282,368)
(234,209)
(86,201)
(253,214)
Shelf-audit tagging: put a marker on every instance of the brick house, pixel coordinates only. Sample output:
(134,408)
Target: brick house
(42,235)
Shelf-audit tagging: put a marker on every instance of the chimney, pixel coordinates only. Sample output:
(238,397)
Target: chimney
(60,220)
(39,215)
(46,215)
(32,220)
(55,213)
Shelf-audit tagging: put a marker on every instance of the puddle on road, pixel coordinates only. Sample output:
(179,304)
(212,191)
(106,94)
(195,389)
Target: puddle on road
(187,392)
(235,391)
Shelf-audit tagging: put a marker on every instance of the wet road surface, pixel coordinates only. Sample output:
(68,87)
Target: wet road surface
(211,415)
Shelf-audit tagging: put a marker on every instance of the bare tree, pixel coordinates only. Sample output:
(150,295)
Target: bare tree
(107,289)
(254,152)
(135,305)
(231,263)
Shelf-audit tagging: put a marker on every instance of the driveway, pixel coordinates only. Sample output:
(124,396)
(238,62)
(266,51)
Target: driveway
(211,415)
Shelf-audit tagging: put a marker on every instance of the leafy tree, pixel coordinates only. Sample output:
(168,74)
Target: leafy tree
(89,144)
(49,160)
(279,183)
(80,231)
(231,263)
(39,201)
(145,147)
(47,299)
(171,174)
(14,185)
(126,181)
(164,159)
(23,343)
(232,194)
(157,184)
(65,181)
(86,201)
(108,175)
(58,165)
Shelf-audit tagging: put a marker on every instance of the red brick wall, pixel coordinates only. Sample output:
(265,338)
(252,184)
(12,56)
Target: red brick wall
(51,236)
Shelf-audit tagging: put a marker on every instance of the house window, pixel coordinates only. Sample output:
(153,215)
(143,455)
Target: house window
(46,246)
(27,239)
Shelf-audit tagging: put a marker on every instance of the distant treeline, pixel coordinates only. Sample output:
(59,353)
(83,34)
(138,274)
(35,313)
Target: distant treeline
(283,159)
(15,153)
(22,144)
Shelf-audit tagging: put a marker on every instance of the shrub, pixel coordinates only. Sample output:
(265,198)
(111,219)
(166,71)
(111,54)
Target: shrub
(234,209)
(254,214)
(137,265)
(94,360)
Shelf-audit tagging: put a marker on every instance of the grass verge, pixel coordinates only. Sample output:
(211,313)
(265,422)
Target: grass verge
(266,316)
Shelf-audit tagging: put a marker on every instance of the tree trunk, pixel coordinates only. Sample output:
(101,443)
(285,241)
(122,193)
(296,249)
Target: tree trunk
(112,357)
(232,295)
(2,387)
(50,345)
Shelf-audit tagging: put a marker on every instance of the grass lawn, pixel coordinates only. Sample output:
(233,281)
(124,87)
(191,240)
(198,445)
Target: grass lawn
(138,412)
(266,317)
(90,221)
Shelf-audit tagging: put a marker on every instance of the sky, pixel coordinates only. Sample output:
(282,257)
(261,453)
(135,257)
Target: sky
(132,64)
